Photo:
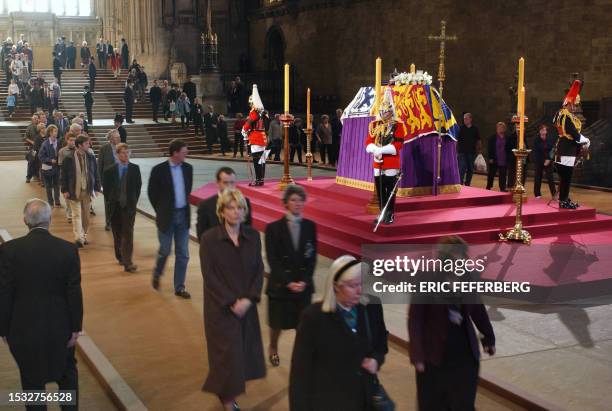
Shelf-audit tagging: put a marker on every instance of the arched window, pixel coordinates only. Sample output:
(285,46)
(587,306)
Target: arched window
(59,7)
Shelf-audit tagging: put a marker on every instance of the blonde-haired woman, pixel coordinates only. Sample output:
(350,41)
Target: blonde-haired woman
(339,347)
(232,268)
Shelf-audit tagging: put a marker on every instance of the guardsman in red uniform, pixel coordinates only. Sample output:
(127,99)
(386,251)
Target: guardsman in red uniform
(569,144)
(254,132)
(385,141)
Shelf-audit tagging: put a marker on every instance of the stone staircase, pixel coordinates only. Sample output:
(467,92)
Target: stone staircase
(145,140)
(108,95)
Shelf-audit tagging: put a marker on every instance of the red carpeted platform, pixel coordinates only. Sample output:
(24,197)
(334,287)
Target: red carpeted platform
(475,214)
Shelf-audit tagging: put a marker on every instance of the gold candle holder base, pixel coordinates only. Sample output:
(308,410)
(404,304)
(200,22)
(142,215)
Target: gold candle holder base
(517,233)
(309,156)
(286,179)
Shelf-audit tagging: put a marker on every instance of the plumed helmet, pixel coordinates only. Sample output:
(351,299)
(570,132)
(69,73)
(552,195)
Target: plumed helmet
(573,95)
(387,104)
(254,100)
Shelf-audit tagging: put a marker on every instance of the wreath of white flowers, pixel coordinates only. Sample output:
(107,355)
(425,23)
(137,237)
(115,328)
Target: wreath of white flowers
(419,77)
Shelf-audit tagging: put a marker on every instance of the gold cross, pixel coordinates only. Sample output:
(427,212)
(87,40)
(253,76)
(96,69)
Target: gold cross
(442,38)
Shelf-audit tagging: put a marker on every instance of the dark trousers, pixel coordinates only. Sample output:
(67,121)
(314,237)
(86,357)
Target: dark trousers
(52,186)
(384,187)
(334,151)
(295,148)
(185,121)
(540,169)
(502,176)
(69,381)
(325,149)
(447,388)
(466,167)
(224,143)
(32,169)
(122,224)
(107,210)
(92,84)
(275,146)
(69,63)
(565,179)
(196,127)
(90,115)
(238,143)
(101,60)
(155,108)
(211,138)
(128,112)
(260,169)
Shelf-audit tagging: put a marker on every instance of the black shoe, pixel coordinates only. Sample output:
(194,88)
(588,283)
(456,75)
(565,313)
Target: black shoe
(235,406)
(28,180)
(567,205)
(571,202)
(274,360)
(389,218)
(131,268)
(182,293)
(86,242)
(107,227)
(78,244)
(260,183)
(155,282)
(253,184)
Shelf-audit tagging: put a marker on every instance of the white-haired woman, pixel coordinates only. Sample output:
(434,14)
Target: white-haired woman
(232,268)
(339,347)
(85,55)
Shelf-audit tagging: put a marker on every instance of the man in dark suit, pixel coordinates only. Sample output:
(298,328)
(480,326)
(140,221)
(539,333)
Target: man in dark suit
(128,99)
(125,54)
(189,88)
(93,72)
(57,68)
(89,102)
(207,209)
(155,95)
(169,187)
(122,183)
(70,55)
(41,303)
(107,157)
(210,127)
(119,126)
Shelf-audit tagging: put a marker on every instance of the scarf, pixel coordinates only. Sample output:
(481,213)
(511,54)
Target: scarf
(80,173)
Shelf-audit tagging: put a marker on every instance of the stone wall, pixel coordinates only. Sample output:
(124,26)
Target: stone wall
(332,45)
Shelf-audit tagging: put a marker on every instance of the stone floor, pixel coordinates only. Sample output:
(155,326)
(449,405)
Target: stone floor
(155,341)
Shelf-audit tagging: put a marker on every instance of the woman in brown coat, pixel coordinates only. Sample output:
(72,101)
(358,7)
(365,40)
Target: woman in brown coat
(232,268)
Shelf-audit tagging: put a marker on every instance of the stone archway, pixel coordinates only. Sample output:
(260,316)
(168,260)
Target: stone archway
(275,49)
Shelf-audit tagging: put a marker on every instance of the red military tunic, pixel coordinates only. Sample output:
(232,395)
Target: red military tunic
(389,161)
(254,127)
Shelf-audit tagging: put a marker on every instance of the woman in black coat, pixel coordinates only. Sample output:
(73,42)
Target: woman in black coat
(291,247)
(339,347)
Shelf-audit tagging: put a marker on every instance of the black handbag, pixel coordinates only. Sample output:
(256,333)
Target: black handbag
(379,398)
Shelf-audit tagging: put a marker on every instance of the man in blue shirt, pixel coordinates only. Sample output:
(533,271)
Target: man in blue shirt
(169,187)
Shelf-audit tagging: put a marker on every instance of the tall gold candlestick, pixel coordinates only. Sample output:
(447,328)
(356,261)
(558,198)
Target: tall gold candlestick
(308,132)
(517,233)
(286,88)
(522,119)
